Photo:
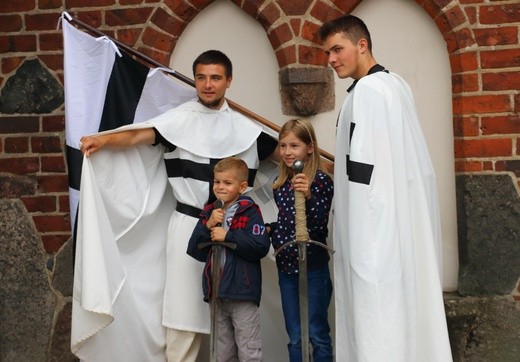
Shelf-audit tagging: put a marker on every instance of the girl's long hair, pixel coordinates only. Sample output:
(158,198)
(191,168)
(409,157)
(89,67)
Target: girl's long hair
(304,131)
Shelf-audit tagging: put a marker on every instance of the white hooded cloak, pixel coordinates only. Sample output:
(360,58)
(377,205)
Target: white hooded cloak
(387,266)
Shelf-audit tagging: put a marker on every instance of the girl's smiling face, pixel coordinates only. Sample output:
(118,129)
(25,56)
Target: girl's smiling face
(292,148)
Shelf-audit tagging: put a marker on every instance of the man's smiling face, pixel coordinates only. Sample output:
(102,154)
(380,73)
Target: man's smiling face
(211,84)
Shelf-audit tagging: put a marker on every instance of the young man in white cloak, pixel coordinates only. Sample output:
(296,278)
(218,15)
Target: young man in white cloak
(387,266)
(195,135)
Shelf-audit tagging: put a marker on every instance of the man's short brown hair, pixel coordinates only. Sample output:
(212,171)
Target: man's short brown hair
(350,26)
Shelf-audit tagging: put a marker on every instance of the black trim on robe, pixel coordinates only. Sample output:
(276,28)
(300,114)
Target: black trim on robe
(374,69)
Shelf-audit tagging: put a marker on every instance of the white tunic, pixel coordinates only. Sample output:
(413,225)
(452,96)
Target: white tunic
(201,135)
(387,238)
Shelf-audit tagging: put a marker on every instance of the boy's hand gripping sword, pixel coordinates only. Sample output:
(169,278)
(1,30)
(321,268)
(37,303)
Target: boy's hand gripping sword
(216,252)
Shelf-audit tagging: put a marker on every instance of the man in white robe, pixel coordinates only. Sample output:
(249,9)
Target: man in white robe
(195,136)
(387,266)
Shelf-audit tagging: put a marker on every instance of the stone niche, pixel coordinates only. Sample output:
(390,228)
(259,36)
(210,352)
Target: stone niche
(306,91)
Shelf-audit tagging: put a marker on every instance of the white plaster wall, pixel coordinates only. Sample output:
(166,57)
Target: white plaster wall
(405,41)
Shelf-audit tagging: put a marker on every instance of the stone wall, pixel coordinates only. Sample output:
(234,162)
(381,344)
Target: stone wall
(482,38)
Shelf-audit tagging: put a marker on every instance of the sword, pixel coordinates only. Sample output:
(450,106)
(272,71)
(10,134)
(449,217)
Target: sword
(302,239)
(216,252)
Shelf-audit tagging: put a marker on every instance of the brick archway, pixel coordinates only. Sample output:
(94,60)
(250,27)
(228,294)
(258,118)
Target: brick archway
(291,33)
(484,102)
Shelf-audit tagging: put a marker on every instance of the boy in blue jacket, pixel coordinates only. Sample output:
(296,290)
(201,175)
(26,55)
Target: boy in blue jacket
(237,223)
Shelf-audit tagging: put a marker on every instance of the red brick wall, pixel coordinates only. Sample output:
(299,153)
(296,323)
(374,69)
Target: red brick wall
(482,38)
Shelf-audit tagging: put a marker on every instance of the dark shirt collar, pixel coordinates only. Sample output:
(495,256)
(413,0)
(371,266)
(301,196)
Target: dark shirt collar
(376,68)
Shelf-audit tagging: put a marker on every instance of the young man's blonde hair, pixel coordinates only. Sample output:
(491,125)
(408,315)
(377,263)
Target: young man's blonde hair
(233,164)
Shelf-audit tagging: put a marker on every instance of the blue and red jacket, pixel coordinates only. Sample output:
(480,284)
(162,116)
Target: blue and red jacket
(241,275)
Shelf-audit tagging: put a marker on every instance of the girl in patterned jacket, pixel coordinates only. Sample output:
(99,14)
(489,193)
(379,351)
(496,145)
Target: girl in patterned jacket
(297,141)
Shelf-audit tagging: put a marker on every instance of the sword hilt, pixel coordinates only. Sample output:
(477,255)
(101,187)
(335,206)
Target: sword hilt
(300,209)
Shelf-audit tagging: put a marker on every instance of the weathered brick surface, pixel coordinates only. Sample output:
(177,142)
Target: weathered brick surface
(323,12)
(500,58)
(51,223)
(311,55)
(295,7)
(40,203)
(500,13)
(16,145)
(466,82)
(10,23)
(182,9)
(471,13)
(482,104)
(19,124)
(466,126)
(501,125)
(52,183)
(309,32)
(269,15)
(482,40)
(41,22)
(52,242)
(17,6)
(501,81)
(51,42)
(483,148)
(463,62)
(347,6)
(50,4)
(286,56)
(10,64)
(53,123)
(158,40)
(280,35)
(507,35)
(18,43)
(53,164)
(121,17)
(46,144)
(20,165)
(455,17)
(167,23)
(468,166)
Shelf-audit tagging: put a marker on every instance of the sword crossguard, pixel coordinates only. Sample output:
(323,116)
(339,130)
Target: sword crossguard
(295,242)
(203,245)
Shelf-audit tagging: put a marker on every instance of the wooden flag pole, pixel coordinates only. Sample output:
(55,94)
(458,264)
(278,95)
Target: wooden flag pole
(187,80)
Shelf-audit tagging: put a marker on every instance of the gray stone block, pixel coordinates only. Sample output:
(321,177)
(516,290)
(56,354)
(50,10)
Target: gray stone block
(488,212)
(27,302)
(483,328)
(32,89)
(63,275)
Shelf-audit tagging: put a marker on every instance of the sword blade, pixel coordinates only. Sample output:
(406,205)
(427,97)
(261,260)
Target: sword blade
(215,286)
(303,300)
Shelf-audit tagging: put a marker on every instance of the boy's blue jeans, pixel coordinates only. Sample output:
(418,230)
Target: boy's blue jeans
(319,293)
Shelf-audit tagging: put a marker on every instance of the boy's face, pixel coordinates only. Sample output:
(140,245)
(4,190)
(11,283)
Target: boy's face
(211,84)
(343,55)
(227,187)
